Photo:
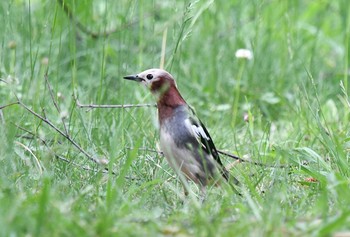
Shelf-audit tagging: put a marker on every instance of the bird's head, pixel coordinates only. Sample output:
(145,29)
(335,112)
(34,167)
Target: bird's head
(157,80)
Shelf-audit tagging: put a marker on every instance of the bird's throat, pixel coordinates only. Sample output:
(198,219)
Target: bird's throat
(167,102)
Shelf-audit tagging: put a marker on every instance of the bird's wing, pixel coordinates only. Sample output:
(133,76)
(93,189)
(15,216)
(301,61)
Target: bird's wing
(203,137)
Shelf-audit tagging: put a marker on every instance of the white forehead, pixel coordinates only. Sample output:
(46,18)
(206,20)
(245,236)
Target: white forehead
(155,72)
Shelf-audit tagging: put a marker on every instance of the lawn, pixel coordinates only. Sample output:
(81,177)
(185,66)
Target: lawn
(68,170)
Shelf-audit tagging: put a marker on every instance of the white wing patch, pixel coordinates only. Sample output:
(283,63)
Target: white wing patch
(196,130)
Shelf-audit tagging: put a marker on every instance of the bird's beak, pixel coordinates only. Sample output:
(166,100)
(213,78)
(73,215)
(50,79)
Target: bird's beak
(133,78)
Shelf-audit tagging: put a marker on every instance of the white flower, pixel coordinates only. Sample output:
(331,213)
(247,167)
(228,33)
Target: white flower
(244,53)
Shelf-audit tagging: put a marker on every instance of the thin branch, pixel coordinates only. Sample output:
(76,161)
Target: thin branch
(48,122)
(2,119)
(80,26)
(84,29)
(8,105)
(220,152)
(33,135)
(251,162)
(231,155)
(94,106)
(56,155)
(65,135)
(60,157)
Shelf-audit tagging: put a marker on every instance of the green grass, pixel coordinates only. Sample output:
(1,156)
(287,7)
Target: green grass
(295,91)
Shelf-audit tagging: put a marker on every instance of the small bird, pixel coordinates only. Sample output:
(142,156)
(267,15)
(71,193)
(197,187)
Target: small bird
(184,140)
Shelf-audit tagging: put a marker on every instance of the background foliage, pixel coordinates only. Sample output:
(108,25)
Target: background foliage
(294,93)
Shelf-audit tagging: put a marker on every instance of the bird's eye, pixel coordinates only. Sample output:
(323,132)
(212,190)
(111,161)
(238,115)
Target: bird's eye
(149,76)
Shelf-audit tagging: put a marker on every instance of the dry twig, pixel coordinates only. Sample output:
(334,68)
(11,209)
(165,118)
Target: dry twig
(94,106)
(80,26)
(84,29)
(223,153)
(48,122)
(8,105)
(60,157)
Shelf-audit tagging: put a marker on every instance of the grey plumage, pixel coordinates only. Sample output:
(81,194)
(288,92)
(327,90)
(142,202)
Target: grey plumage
(188,147)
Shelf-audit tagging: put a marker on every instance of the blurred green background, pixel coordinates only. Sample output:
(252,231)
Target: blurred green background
(287,105)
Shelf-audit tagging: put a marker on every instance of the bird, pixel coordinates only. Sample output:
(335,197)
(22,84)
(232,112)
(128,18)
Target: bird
(184,140)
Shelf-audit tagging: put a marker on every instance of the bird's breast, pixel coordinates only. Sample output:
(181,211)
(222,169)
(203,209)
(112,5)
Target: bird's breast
(179,158)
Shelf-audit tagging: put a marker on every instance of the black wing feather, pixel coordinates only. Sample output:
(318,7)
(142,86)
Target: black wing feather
(208,145)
